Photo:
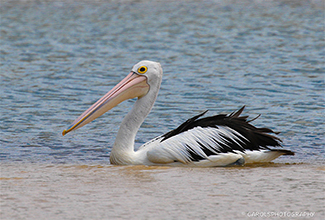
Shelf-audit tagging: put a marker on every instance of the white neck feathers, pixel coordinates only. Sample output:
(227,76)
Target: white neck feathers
(123,148)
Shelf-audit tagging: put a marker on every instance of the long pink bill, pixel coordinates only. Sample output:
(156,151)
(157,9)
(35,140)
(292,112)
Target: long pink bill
(130,87)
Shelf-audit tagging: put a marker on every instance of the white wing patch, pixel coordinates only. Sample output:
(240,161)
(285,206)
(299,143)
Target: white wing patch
(193,145)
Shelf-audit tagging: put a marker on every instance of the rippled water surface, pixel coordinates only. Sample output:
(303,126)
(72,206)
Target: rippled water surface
(59,57)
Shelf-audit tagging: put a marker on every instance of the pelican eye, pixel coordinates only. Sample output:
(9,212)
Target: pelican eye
(142,69)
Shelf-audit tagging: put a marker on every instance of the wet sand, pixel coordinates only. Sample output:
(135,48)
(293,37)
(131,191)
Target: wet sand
(62,191)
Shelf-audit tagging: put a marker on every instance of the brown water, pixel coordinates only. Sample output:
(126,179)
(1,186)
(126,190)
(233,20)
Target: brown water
(40,191)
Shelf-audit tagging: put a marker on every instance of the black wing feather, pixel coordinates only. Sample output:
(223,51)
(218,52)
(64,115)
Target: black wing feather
(255,138)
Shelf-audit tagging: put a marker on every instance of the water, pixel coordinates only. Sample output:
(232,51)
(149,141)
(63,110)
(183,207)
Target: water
(57,58)
(37,191)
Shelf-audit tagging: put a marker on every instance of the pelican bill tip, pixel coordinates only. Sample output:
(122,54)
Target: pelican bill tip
(64,132)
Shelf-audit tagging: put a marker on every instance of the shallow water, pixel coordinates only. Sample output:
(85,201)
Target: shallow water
(38,191)
(57,58)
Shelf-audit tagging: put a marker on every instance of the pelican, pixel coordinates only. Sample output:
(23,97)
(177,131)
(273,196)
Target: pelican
(219,140)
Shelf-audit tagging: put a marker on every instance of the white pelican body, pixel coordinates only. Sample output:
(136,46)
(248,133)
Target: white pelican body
(219,140)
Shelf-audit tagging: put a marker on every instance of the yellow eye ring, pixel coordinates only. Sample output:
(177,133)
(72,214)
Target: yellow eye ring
(142,69)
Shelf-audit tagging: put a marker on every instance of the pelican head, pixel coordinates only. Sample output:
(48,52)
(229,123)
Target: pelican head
(145,76)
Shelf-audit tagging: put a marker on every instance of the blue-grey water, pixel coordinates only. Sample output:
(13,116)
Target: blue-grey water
(59,57)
